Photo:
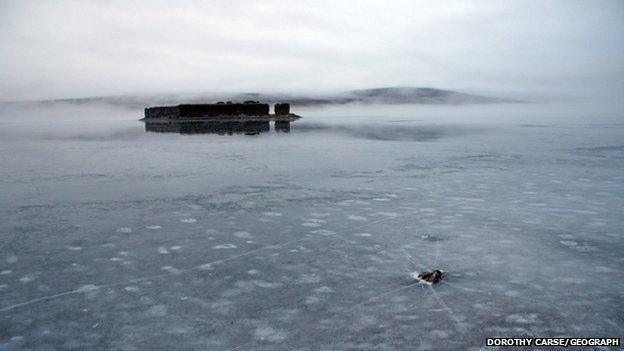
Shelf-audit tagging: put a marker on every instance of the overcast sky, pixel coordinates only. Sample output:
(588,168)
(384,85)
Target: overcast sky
(61,49)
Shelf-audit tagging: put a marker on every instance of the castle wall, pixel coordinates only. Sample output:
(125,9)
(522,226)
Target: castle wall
(207,110)
(162,112)
(282,109)
(223,110)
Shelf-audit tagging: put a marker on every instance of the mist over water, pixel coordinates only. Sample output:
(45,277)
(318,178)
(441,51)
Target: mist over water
(114,237)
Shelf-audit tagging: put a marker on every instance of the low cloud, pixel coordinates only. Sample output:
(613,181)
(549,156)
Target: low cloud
(63,49)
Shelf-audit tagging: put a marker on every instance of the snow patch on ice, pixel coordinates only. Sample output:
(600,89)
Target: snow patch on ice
(157,311)
(267,285)
(320,215)
(309,278)
(439,334)
(27,279)
(224,246)
(205,267)
(512,293)
(324,290)
(266,333)
(248,204)
(387,214)
(522,318)
(243,235)
(87,288)
(323,232)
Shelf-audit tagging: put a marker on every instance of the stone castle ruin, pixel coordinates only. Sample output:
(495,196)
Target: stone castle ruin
(223,115)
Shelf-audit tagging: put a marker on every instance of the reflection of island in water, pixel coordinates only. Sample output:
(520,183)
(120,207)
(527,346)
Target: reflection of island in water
(249,117)
(221,128)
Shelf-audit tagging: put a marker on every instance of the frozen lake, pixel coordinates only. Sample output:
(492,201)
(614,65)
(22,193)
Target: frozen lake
(115,238)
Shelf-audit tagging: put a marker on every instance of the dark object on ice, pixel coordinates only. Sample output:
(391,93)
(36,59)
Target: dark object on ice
(246,117)
(432,277)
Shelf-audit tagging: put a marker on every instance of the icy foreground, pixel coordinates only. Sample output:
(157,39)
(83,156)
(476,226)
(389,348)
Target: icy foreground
(113,238)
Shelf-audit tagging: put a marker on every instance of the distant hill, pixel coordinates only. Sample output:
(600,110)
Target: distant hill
(411,95)
(392,95)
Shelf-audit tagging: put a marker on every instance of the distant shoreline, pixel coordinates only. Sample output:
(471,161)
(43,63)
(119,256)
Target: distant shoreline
(393,95)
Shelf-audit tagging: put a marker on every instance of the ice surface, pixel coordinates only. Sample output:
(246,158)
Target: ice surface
(113,238)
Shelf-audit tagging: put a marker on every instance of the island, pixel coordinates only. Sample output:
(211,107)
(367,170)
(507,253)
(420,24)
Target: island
(226,117)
